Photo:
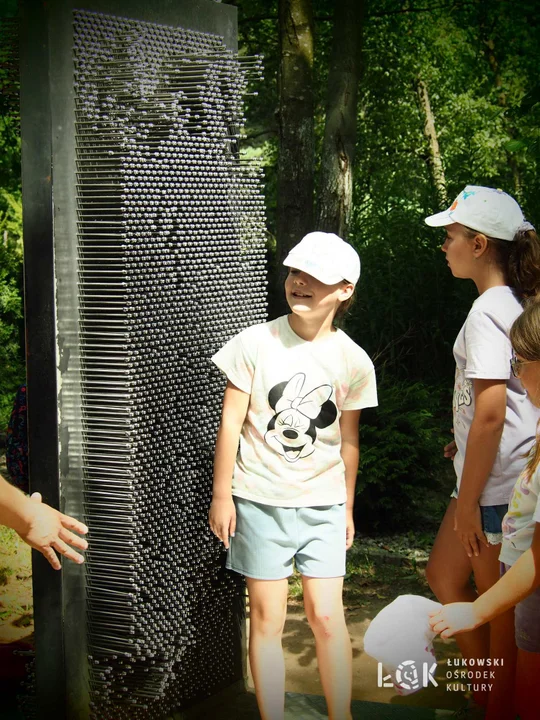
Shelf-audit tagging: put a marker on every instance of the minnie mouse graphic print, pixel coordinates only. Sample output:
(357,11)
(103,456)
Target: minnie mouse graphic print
(289,453)
(292,430)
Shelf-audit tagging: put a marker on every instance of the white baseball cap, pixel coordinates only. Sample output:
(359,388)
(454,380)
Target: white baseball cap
(492,212)
(326,257)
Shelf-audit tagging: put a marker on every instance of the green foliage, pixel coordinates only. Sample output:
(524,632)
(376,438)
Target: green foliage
(11,327)
(401,455)
(11,249)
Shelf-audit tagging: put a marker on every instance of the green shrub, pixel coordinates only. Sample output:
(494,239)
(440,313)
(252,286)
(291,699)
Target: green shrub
(11,303)
(403,474)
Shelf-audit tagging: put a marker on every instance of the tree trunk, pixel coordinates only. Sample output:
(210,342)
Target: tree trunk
(296,142)
(434,158)
(339,144)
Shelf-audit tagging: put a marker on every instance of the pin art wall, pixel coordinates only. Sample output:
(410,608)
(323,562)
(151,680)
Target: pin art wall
(144,253)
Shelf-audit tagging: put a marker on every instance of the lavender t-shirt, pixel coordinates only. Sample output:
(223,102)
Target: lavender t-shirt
(482,350)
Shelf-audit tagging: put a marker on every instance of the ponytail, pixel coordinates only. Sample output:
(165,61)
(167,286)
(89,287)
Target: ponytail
(520,261)
(524,264)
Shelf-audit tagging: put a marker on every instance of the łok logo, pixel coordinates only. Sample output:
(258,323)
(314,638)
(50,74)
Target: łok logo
(407,676)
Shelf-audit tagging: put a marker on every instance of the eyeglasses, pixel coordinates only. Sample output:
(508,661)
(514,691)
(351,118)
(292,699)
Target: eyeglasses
(517,365)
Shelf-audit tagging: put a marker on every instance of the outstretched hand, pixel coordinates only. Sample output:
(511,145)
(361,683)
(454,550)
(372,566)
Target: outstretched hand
(47,530)
(454,619)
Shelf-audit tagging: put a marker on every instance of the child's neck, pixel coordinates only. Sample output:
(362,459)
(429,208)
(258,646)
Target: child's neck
(311,329)
(488,276)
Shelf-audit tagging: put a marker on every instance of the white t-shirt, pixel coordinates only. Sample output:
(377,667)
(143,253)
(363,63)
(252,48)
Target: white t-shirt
(290,443)
(520,521)
(482,350)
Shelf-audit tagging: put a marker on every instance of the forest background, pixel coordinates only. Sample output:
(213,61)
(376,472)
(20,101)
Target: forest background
(371,115)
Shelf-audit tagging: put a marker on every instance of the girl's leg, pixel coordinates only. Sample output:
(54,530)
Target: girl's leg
(448,573)
(267,611)
(527,691)
(324,609)
(502,645)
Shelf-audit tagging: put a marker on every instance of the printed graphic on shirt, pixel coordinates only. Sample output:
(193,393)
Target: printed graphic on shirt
(292,431)
(463,390)
(521,491)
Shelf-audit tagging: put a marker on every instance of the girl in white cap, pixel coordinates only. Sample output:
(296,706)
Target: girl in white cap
(286,462)
(487,241)
(520,553)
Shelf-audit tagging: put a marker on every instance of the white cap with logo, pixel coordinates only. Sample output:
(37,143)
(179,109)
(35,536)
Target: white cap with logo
(487,210)
(326,257)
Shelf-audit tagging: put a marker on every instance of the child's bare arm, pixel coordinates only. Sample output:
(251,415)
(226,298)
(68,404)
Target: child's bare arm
(482,446)
(222,515)
(521,580)
(350,453)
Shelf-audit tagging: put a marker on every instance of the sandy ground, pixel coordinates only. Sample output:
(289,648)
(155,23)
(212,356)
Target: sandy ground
(301,664)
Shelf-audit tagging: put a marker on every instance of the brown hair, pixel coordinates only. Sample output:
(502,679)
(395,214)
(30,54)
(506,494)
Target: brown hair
(525,339)
(520,260)
(345,305)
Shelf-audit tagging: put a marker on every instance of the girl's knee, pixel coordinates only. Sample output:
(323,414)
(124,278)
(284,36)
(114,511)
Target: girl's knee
(434,576)
(325,622)
(444,583)
(267,621)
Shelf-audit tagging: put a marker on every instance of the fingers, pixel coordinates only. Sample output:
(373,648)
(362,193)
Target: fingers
(51,556)
(66,551)
(450,450)
(72,524)
(470,543)
(483,538)
(440,626)
(75,540)
(48,551)
(36,497)
(223,531)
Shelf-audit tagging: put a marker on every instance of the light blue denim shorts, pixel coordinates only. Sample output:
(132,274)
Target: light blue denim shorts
(268,538)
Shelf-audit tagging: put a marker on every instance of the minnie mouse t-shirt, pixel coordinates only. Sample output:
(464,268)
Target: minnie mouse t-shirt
(289,453)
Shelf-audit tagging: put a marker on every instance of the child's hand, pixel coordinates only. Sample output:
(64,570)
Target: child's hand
(46,529)
(454,619)
(451,449)
(222,519)
(468,526)
(350,530)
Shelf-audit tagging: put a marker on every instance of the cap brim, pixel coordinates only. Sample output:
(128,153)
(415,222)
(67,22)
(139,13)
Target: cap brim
(318,273)
(440,219)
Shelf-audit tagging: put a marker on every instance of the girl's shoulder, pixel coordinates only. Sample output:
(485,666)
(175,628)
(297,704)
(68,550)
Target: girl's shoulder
(499,304)
(352,350)
(261,330)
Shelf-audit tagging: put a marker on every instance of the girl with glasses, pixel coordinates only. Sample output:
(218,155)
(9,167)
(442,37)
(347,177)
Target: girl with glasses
(487,241)
(520,553)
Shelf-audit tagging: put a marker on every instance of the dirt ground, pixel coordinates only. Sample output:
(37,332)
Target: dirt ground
(378,571)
